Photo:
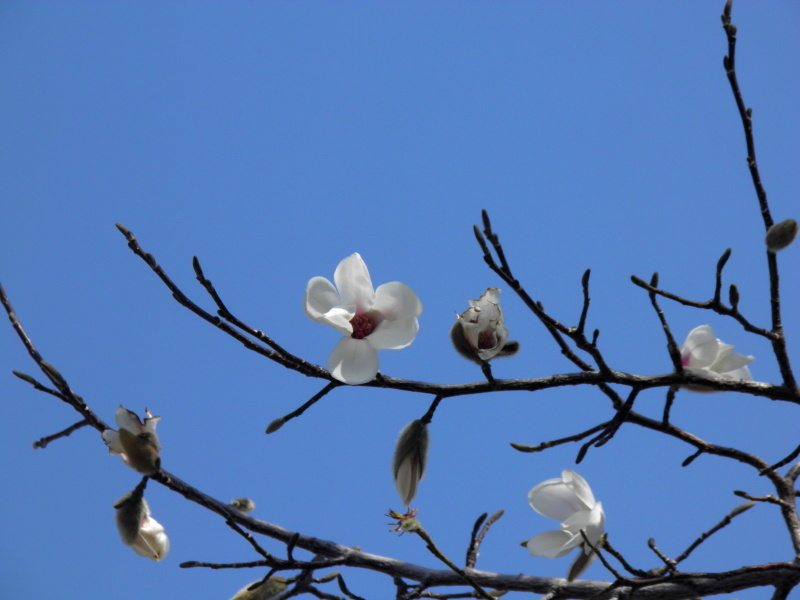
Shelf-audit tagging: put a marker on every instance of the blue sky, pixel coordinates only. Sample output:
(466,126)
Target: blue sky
(274,139)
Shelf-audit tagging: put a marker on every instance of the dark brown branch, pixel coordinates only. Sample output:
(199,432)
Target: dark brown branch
(746,115)
(705,535)
(280,421)
(672,347)
(558,442)
(477,537)
(795,453)
(42,443)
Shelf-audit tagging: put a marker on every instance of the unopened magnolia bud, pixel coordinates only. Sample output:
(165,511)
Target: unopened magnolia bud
(275,425)
(271,588)
(243,504)
(780,235)
(410,458)
(733,296)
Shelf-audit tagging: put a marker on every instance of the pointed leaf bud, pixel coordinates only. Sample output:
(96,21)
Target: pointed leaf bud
(733,296)
(410,458)
(780,235)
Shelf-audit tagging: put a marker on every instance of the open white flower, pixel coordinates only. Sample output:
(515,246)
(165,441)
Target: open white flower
(136,442)
(569,500)
(703,354)
(370,320)
(479,333)
(138,529)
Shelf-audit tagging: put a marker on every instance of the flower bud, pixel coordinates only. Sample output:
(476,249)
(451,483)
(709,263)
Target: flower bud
(410,458)
(271,588)
(138,529)
(479,333)
(780,235)
(243,504)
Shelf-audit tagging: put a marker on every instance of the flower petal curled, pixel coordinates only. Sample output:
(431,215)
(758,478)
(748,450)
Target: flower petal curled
(552,544)
(320,298)
(700,348)
(353,361)
(354,284)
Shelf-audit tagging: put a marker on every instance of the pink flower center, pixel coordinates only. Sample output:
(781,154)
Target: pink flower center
(362,326)
(685,360)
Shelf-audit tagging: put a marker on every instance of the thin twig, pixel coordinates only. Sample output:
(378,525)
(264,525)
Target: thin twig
(42,443)
(281,421)
(705,535)
(477,537)
(560,441)
(607,547)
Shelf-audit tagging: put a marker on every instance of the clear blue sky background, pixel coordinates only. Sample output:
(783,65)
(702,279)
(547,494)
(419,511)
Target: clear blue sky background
(274,139)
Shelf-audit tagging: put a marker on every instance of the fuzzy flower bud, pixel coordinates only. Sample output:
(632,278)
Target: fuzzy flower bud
(781,235)
(410,457)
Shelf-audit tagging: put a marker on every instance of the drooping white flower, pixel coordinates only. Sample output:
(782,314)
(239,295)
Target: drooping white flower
(703,354)
(410,458)
(569,500)
(370,319)
(138,529)
(136,442)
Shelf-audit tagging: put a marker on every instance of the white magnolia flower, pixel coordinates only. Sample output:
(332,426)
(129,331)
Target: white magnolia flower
(136,442)
(703,354)
(479,332)
(370,320)
(569,500)
(138,529)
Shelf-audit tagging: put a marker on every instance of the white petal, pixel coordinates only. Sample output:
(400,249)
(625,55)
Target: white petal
(111,438)
(353,361)
(129,420)
(740,374)
(152,543)
(731,362)
(552,544)
(393,335)
(320,298)
(555,500)
(354,284)
(700,348)
(580,487)
(396,300)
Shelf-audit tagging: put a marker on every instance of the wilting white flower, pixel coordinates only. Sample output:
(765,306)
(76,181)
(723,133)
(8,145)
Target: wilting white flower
(410,458)
(703,354)
(370,320)
(138,529)
(569,500)
(479,333)
(136,442)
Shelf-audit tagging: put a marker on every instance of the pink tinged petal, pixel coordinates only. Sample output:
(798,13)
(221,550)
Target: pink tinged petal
(578,484)
(552,544)
(555,500)
(353,361)
(129,420)
(320,298)
(354,284)
(700,348)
